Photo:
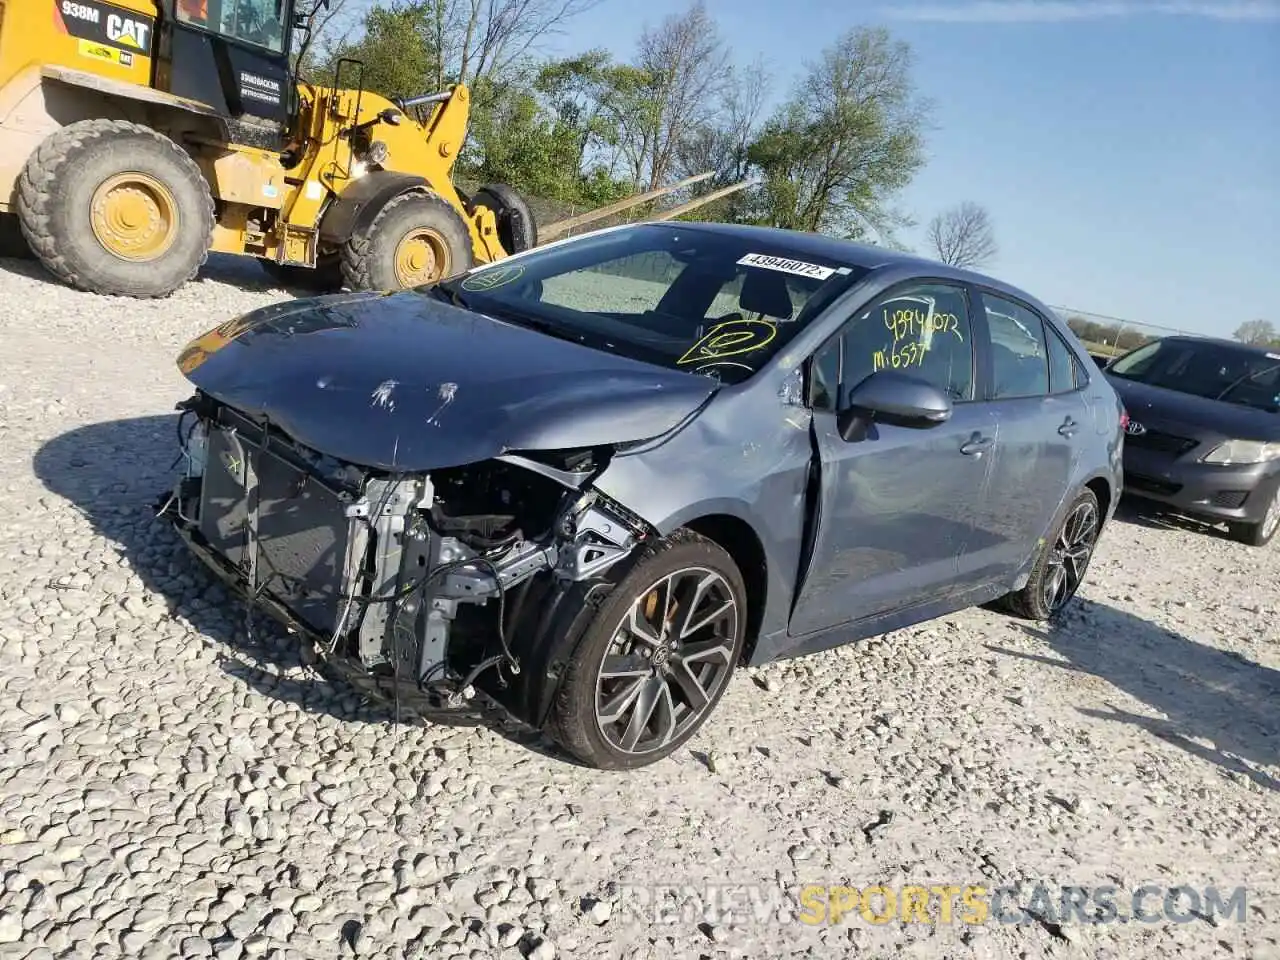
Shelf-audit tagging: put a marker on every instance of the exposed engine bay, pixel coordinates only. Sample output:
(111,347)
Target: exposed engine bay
(418,587)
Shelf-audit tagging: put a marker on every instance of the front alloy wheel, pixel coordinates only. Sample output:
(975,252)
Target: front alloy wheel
(667,660)
(655,658)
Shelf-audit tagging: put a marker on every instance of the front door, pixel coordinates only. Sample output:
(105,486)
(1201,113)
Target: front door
(899,507)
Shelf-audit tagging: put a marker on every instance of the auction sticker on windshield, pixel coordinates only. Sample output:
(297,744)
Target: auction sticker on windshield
(797,267)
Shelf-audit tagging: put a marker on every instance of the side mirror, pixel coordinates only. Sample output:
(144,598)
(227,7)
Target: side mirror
(389,116)
(892,397)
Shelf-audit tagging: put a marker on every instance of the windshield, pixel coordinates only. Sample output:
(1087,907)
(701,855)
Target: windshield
(691,299)
(1205,369)
(259,22)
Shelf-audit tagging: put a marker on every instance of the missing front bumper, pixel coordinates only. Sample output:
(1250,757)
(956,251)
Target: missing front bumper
(351,561)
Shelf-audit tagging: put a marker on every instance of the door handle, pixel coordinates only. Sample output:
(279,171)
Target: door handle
(974,446)
(1068,427)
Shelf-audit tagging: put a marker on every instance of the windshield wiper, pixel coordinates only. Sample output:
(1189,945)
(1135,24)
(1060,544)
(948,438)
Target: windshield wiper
(1245,379)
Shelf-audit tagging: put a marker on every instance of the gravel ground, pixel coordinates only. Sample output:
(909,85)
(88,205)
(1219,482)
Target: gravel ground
(174,786)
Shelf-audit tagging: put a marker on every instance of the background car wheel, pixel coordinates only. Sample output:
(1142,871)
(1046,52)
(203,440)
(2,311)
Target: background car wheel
(417,238)
(1060,567)
(1259,534)
(116,208)
(656,658)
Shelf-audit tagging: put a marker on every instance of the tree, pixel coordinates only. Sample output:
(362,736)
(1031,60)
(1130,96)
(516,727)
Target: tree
(669,93)
(1256,332)
(849,137)
(963,236)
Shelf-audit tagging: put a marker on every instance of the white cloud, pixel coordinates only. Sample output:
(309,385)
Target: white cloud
(1060,11)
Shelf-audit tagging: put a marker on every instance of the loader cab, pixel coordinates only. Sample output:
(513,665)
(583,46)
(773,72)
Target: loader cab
(232,55)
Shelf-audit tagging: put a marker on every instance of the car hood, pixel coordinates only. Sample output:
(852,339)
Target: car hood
(406,382)
(1217,416)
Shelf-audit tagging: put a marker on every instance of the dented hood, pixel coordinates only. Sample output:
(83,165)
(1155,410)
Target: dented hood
(407,382)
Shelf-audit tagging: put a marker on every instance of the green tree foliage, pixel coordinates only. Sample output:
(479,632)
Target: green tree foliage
(586,129)
(397,48)
(849,137)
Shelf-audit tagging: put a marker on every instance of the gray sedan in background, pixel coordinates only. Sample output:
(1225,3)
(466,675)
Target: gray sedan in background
(590,480)
(1203,433)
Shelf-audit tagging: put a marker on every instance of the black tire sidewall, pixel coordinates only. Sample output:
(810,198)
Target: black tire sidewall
(504,201)
(406,214)
(575,711)
(85,170)
(1034,592)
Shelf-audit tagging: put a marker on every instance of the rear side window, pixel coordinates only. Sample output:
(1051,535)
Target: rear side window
(1019,352)
(1065,374)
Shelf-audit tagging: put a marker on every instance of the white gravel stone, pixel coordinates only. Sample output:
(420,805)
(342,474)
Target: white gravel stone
(171,789)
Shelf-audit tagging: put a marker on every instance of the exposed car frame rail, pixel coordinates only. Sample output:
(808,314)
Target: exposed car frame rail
(404,583)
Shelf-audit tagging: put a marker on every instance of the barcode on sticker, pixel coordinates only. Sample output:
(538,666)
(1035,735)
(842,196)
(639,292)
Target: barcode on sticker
(797,267)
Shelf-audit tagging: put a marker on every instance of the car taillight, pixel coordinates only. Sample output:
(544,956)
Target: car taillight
(1124,419)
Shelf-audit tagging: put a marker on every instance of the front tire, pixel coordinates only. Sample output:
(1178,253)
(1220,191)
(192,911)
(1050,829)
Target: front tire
(417,238)
(1061,563)
(1261,533)
(656,658)
(116,208)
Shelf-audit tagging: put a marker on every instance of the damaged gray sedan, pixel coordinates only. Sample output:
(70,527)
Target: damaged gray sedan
(588,481)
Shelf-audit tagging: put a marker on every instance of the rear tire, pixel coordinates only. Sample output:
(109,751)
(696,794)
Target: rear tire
(416,239)
(682,677)
(1061,563)
(517,229)
(116,208)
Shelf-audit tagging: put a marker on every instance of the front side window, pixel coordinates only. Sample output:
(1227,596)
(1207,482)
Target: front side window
(262,23)
(712,303)
(1019,353)
(922,330)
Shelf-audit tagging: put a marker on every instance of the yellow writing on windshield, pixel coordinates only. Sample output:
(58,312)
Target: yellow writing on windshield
(730,339)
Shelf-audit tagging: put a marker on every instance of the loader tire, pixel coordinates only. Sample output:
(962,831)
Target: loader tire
(416,239)
(116,208)
(517,229)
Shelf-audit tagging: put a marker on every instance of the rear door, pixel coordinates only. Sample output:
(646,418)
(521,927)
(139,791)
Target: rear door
(896,508)
(1036,395)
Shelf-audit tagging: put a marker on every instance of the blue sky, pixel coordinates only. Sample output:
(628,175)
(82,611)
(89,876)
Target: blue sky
(1129,152)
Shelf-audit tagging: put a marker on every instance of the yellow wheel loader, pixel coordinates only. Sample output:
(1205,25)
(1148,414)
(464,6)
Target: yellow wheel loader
(138,135)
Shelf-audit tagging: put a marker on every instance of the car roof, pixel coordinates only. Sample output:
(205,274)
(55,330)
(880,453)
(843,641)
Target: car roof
(1258,349)
(867,256)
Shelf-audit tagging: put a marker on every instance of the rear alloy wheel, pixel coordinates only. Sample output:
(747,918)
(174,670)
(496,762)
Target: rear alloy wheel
(1060,567)
(1260,534)
(656,659)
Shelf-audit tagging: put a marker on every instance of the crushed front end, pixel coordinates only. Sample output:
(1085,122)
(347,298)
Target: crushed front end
(421,588)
